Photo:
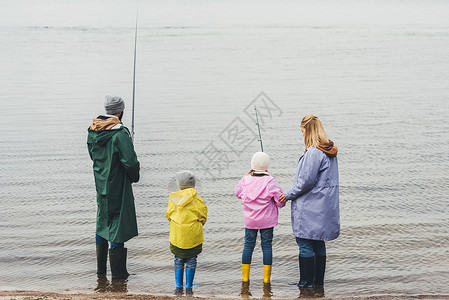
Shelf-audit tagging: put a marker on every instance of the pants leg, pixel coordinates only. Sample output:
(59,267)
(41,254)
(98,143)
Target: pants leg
(102,241)
(319,248)
(306,247)
(179,262)
(250,243)
(117,246)
(266,236)
(191,263)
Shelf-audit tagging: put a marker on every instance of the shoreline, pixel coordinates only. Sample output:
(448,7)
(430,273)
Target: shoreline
(37,295)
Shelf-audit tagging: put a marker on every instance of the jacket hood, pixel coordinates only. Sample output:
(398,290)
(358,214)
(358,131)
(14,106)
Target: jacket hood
(102,129)
(328,148)
(182,197)
(104,123)
(255,185)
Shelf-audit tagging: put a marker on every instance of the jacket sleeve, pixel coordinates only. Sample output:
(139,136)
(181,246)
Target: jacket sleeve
(238,189)
(90,152)
(169,210)
(202,213)
(127,155)
(89,146)
(306,175)
(275,191)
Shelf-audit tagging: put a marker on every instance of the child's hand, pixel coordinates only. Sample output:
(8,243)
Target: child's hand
(282,198)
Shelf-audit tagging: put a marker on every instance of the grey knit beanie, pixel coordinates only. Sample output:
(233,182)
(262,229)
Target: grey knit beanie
(113,104)
(185,179)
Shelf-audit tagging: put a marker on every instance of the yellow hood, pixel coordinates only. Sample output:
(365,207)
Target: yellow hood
(182,197)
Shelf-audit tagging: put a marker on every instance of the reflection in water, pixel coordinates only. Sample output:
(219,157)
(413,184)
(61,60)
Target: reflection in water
(116,286)
(189,292)
(317,292)
(306,293)
(119,286)
(102,284)
(267,293)
(245,293)
(178,292)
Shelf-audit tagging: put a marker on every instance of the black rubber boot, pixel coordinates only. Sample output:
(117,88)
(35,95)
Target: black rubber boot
(102,258)
(306,270)
(117,259)
(320,267)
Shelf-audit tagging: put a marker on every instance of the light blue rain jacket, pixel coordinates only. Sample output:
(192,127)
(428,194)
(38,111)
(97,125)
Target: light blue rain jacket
(314,195)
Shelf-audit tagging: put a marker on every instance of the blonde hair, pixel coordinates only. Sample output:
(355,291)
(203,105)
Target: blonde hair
(315,133)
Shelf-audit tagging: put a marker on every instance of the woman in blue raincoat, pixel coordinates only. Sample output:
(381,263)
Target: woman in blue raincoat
(315,203)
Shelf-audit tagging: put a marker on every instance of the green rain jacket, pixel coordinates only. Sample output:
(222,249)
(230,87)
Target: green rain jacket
(115,167)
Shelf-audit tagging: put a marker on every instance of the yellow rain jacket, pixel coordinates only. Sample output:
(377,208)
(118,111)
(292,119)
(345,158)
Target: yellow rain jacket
(187,214)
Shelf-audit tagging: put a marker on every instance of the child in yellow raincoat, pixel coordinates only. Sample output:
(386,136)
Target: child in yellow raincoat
(187,214)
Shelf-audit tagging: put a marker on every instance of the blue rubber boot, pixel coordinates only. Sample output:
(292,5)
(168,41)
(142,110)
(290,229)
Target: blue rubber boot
(179,281)
(190,274)
(179,278)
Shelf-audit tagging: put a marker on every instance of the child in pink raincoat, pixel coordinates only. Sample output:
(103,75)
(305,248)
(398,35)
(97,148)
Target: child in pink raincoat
(260,193)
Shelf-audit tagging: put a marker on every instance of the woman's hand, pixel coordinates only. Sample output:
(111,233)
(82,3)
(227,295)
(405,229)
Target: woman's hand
(282,198)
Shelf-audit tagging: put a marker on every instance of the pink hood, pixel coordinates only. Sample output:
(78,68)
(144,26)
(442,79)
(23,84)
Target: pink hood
(260,201)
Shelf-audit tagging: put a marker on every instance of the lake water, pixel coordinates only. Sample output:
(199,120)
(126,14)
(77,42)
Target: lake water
(375,72)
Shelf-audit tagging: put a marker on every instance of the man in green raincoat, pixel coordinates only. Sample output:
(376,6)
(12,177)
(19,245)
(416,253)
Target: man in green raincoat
(115,167)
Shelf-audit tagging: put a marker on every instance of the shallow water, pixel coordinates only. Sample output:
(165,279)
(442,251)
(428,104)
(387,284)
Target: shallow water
(375,72)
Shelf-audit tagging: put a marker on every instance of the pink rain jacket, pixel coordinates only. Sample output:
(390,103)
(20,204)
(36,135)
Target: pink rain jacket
(260,200)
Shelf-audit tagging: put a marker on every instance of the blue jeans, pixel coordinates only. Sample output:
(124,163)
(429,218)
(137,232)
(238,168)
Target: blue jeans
(101,241)
(266,237)
(190,263)
(309,248)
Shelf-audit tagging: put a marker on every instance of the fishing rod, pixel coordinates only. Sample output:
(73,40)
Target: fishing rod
(258,126)
(134,77)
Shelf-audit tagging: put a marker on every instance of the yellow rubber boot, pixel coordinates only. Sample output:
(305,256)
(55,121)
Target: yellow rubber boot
(266,273)
(245,272)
